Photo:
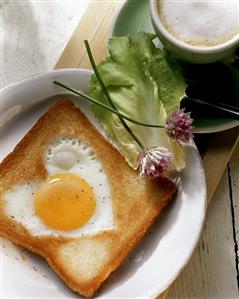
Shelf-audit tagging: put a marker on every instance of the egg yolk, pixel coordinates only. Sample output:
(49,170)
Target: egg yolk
(65,202)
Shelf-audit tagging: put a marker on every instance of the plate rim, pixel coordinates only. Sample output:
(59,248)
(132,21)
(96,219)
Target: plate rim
(199,130)
(155,292)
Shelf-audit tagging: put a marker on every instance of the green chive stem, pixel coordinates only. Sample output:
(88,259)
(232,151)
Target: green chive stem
(90,99)
(107,95)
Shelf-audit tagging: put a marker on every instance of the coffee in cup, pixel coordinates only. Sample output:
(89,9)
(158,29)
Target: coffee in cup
(199,31)
(200,23)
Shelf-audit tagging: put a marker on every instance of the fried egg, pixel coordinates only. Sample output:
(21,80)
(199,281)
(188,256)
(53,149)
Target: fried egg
(75,198)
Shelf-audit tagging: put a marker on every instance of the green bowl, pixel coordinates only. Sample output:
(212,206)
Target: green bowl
(215,82)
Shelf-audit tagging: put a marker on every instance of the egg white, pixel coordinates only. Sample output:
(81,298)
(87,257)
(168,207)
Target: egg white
(64,155)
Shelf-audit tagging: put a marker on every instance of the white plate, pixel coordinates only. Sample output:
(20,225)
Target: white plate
(159,257)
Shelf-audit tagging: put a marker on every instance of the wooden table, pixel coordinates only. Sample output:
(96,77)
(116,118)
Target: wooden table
(35,34)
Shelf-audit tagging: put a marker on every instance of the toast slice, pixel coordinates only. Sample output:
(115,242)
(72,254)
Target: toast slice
(83,263)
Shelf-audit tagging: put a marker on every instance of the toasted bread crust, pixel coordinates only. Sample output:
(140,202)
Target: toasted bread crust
(136,201)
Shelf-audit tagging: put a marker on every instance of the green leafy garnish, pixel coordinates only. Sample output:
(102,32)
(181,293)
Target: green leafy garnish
(145,84)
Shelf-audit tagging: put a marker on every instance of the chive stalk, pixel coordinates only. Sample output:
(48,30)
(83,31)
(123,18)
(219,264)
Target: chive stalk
(92,100)
(107,95)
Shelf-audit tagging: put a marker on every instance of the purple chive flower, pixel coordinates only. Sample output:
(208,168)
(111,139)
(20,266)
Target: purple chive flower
(179,126)
(154,161)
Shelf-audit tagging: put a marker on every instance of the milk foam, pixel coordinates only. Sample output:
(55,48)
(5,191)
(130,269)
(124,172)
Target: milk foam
(201,22)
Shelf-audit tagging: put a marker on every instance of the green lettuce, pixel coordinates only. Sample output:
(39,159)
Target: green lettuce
(145,84)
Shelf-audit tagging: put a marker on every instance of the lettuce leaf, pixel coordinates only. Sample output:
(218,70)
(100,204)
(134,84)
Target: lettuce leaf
(145,84)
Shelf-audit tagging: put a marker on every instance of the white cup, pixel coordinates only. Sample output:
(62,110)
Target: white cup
(188,52)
